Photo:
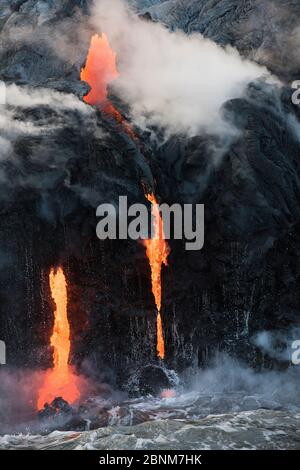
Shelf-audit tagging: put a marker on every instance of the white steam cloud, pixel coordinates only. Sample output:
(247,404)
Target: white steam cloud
(18,98)
(37,116)
(168,79)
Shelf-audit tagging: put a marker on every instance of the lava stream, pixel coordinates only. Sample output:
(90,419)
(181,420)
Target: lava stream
(99,71)
(157,253)
(60,381)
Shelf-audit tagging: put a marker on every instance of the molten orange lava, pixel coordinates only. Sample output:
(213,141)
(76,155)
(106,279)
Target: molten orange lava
(168,393)
(99,71)
(60,381)
(160,337)
(157,253)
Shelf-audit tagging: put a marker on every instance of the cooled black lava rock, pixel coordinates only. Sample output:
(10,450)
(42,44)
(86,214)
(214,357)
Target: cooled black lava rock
(59,415)
(266,32)
(153,380)
(59,406)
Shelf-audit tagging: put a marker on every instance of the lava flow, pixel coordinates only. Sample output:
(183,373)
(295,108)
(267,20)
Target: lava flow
(157,253)
(60,381)
(99,71)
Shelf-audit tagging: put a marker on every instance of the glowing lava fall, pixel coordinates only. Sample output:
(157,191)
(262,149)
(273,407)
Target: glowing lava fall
(157,252)
(99,71)
(60,381)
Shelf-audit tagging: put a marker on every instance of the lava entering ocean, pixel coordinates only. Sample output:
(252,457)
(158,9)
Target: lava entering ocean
(157,253)
(99,71)
(60,381)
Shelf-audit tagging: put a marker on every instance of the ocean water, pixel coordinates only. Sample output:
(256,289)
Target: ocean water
(186,422)
(228,406)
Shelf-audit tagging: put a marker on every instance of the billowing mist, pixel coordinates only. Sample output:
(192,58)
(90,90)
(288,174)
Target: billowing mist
(171,80)
(226,385)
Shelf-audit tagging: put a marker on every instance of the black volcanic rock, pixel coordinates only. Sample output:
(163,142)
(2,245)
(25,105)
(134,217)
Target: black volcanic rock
(153,380)
(267,32)
(58,406)
(246,278)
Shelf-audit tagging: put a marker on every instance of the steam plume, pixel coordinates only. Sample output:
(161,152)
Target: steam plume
(171,80)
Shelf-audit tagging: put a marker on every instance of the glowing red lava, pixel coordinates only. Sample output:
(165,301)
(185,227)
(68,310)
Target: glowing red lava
(60,381)
(168,393)
(99,71)
(157,251)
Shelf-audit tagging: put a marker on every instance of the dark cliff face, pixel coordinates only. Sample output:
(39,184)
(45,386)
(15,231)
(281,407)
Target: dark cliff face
(267,32)
(243,281)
